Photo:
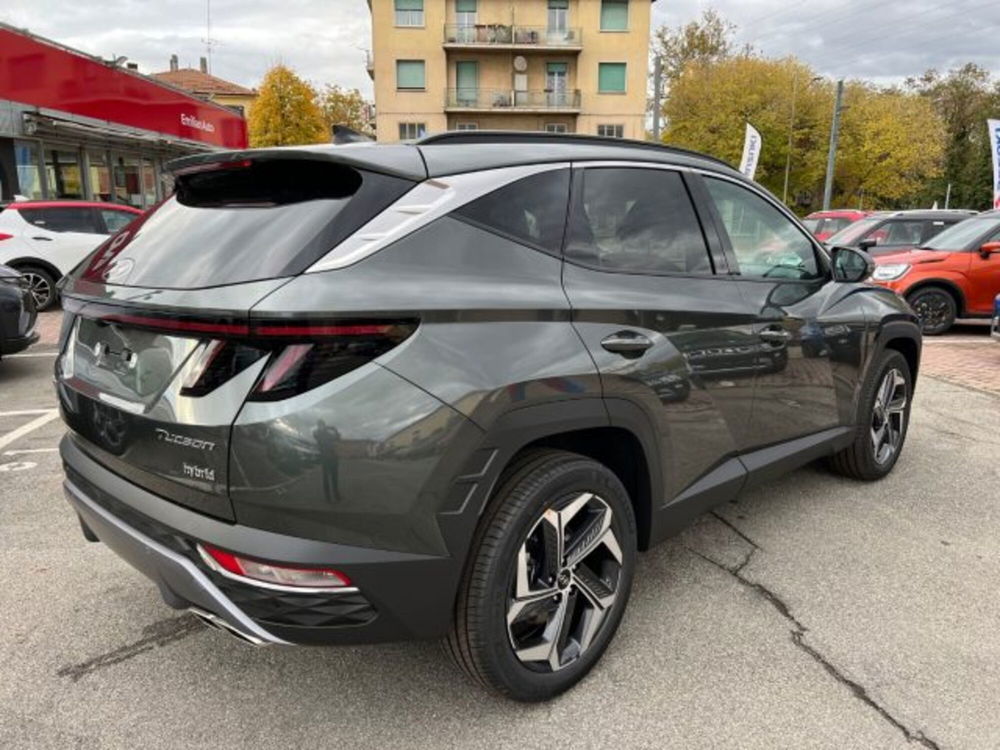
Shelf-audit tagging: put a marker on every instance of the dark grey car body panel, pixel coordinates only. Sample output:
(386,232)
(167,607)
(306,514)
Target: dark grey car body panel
(385,472)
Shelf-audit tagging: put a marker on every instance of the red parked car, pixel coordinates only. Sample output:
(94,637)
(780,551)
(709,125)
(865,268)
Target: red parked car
(825,224)
(953,275)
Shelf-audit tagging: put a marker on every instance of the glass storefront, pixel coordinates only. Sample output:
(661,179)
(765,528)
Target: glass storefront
(148,182)
(29,176)
(63,174)
(128,188)
(100,176)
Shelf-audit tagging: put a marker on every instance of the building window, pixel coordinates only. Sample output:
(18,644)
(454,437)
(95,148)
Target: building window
(611,78)
(556,127)
(614,15)
(467,126)
(409,12)
(29,176)
(63,173)
(611,131)
(465,13)
(410,131)
(100,176)
(558,15)
(410,74)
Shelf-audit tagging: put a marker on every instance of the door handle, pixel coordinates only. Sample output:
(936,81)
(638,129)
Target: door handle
(776,335)
(43,239)
(626,343)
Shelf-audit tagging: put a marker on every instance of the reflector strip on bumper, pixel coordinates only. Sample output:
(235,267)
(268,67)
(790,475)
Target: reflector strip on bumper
(165,567)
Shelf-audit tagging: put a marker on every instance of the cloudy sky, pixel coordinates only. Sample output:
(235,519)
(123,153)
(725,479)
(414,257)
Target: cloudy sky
(325,39)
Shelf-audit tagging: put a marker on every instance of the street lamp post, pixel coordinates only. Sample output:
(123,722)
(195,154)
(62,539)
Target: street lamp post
(831,157)
(791,132)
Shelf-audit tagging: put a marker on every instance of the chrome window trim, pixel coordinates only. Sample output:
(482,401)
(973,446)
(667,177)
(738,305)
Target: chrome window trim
(428,201)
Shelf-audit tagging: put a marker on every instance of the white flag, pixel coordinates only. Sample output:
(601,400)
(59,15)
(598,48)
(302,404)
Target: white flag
(751,151)
(994,127)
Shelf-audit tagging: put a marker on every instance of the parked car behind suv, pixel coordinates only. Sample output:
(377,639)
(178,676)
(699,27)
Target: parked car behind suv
(884,233)
(955,274)
(451,388)
(44,240)
(17,312)
(825,224)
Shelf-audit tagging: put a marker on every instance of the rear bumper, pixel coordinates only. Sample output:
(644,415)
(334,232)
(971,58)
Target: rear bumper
(396,595)
(17,344)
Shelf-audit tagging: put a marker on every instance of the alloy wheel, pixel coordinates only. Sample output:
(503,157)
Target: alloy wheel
(888,416)
(933,309)
(565,583)
(39,287)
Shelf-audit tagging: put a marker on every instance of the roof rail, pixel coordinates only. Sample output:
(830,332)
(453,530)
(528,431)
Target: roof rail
(532,136)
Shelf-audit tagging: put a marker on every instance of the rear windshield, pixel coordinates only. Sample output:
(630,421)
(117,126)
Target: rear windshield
(246,222)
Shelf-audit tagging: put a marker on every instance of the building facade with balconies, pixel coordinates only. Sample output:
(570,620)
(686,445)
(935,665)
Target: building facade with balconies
(576,66)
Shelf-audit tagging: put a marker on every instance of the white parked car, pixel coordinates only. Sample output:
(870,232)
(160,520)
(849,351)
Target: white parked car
(44,240)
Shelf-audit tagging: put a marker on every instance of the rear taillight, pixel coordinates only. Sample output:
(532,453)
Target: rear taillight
(270,573)
(318,353)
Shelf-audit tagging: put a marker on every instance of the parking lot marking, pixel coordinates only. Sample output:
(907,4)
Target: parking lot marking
(24,355)
(31,426)
(18,466)
(24,412)
(30,450)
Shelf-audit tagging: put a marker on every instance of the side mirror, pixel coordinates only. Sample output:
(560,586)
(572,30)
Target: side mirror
(867,244)
(851,265)
(989,249)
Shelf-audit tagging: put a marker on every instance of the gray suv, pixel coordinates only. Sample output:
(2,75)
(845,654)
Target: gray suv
(450,389)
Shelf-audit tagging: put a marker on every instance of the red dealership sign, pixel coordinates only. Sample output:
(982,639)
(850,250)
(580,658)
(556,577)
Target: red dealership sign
(42,74)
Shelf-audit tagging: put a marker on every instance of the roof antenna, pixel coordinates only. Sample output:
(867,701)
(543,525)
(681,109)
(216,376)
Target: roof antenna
(208,41)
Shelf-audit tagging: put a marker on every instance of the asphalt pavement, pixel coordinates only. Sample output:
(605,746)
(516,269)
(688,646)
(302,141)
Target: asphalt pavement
(816,612)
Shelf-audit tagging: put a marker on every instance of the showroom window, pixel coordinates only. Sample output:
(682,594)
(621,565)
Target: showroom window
(614,15)
(63,173)
(100,176)
(29,176)
(611,78)
(410,75)
(409,12)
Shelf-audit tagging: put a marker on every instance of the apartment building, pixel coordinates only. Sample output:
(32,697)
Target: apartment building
(575,66)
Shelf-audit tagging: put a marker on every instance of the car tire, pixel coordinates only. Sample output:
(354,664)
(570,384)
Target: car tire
(883,419)
(518,588)
(936,309)
(43,287)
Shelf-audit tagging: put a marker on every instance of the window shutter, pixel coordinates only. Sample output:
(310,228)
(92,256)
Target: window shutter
(563,4)
(410,74)
(614,15)
(409,4)
(465,6)
(611,77)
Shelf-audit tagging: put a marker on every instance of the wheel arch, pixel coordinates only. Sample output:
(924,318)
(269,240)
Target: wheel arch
(904,337)
(31,262)
(946,284)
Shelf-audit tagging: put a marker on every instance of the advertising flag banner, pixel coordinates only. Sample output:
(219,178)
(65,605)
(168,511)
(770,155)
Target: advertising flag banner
(751,151)
(994,127)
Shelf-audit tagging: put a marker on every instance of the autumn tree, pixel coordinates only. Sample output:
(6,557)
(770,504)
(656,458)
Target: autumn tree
(285,112)
(707,39)
(963,98)
(344,107)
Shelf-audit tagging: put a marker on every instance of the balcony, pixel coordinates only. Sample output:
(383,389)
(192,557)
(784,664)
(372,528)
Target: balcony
(508,100)
(509,36)
(370,64)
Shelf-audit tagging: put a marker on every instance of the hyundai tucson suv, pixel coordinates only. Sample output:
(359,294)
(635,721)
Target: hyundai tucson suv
(450,389)
(891,232)
(954,275)
(44,240)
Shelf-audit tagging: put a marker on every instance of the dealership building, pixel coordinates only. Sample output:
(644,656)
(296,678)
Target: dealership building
(76,126)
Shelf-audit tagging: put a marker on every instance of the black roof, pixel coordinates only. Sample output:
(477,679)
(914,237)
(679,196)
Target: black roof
(468,151)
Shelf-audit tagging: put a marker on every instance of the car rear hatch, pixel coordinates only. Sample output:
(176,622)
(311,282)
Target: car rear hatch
(158,349)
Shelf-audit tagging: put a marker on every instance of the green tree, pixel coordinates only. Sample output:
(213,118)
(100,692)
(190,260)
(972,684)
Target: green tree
(285,112)
(345,107)
(964,98)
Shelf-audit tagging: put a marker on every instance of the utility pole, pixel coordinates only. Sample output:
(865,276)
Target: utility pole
(657,95)
(947,197)
(791,129)
(831,159)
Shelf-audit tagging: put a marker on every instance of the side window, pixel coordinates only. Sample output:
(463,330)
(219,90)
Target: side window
(115,220)
(903,233)
(764,240)
(67,219)
(531,210)
(638,220)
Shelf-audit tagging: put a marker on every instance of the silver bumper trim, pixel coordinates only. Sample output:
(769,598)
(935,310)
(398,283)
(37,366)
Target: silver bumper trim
(227,615)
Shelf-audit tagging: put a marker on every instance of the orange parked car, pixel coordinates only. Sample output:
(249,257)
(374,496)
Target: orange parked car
(953,275)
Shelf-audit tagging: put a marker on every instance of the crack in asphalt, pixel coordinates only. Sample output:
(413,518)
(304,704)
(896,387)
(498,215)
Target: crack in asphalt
(156,634)
(798,637)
